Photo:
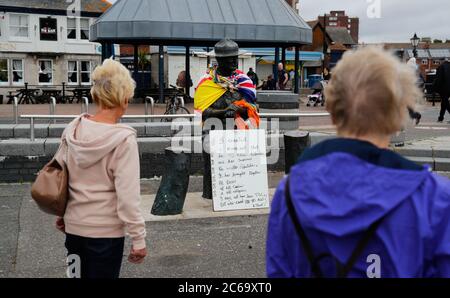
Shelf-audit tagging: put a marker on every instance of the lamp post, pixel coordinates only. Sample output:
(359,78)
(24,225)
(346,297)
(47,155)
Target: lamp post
(415,42)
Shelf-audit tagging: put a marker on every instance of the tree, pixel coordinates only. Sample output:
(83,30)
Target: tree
(437,41)
(144,62)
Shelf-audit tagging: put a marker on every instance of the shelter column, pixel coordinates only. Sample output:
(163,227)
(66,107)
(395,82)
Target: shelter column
(161,74)
(136,62)
(283,56)
(276,61)
(188,72)
(297,58)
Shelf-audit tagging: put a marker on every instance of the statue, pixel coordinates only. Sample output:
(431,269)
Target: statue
(225,93)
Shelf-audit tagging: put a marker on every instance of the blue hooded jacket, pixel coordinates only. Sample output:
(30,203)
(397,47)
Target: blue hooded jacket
(339,188)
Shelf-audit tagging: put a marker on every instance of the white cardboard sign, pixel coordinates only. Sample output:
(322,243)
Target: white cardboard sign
(239,169)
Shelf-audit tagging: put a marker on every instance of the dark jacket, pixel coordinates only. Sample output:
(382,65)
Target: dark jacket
(339,188)
(442,83)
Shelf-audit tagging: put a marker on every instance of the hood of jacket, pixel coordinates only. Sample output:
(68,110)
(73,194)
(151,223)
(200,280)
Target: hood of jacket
(89,141)
(342,186)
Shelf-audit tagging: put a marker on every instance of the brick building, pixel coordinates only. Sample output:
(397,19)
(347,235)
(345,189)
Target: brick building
(338,18)
(337,40)
(293,3)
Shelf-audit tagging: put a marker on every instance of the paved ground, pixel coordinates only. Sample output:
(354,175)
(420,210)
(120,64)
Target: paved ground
(225,246)
(211,247)
(232,245)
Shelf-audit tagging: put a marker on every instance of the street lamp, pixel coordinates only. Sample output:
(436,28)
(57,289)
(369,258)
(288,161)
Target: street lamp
(415,42)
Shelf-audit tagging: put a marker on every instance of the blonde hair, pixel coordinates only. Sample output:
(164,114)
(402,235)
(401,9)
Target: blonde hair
(370,91)
(112,85)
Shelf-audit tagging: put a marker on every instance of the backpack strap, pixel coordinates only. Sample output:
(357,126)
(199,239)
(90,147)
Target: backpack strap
(343,270)
(360,248)
(301,233)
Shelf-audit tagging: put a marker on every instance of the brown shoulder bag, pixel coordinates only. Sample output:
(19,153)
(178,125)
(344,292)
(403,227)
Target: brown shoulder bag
(50,190)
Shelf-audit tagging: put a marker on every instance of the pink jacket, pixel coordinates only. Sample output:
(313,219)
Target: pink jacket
(104,186)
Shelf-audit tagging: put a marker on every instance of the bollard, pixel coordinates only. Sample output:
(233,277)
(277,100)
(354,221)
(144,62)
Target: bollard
(32,129)
(175,181)
(295,142)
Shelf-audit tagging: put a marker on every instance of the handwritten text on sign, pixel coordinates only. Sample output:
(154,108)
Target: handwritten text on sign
(239,169)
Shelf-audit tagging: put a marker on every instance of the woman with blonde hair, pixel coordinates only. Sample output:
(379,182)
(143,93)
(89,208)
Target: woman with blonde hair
(351,207)
(104,188)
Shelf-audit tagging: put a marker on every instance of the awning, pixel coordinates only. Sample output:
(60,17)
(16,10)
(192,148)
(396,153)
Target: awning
(290,56)
(202,22)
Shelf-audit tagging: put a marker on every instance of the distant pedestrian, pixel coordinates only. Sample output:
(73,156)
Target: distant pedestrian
(351,207)
(442,86)
(413,114)
(326,74)
(181,80)
(283,77)
(104,183)
(253,76)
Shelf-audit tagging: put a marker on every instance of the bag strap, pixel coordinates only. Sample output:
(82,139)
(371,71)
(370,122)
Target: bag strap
(343,270)
(301,233)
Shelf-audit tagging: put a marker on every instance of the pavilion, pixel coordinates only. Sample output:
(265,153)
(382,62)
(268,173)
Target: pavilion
(189,23)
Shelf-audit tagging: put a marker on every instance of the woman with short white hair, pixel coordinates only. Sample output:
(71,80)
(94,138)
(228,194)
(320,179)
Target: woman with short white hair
(104,187)
(351,207)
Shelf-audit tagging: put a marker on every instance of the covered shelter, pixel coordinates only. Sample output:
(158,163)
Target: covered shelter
(188,23)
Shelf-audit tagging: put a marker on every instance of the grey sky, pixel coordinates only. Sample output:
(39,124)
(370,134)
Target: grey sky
(399,18)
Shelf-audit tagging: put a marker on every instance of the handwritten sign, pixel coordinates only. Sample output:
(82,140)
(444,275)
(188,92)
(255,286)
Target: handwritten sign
(239,169)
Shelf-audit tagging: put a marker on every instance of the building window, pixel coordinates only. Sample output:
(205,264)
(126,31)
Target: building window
(71,28)
(72,72)
(84,29)
(45,72)
(437,62)
(4,72)
(17,72)
(18,25)
(48,29)
(85,72)
(424,61)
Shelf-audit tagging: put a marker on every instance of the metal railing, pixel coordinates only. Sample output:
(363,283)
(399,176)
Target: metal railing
(152,106)
(16,110)
(32,118)
(181,99)
(84,105)
(53,107)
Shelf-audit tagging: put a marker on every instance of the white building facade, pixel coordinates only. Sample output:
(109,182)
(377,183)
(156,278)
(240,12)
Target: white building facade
(44,47)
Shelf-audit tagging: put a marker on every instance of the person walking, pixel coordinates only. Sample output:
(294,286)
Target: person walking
(413,114)
(351,207)
(442,86)
(253,76)
(104,187)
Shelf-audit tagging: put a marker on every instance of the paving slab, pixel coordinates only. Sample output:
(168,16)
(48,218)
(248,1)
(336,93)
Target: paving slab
(197,207)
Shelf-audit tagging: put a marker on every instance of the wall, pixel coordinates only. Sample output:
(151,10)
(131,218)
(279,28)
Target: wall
(33,44)
(177,63)
(30,49)
(31,69)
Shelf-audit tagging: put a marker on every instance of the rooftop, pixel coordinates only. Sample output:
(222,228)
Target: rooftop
(95,6)
(202,22)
